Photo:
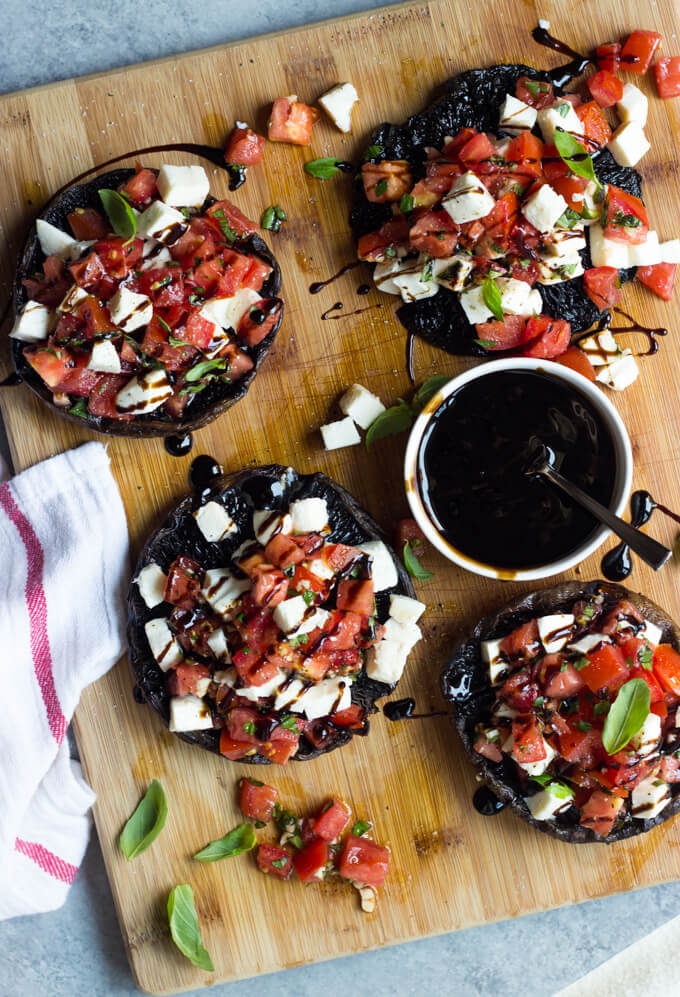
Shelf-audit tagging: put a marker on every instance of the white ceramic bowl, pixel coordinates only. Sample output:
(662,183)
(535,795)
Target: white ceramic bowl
(622,481)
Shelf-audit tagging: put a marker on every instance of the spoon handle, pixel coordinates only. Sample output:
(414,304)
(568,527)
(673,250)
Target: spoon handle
(646,547)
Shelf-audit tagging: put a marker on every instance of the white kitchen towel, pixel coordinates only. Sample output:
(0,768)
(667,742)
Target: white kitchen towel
(64,558)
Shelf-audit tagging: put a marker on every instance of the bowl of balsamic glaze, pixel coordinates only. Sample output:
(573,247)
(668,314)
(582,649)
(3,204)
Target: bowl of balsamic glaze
(470,448)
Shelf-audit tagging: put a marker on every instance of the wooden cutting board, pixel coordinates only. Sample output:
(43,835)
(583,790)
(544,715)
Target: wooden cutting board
(452,868)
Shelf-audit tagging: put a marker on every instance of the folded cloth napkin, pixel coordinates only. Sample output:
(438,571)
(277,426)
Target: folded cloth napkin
(64,557)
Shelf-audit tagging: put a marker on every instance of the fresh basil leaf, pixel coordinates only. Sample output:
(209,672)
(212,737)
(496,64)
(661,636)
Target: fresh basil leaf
(119,213)
(273,218)
(185,929)
(557,788)
(492,297)
(199,370)
(391,422)
(323,169)
(372,152)
(146,823)
(80,409)
(427,390)
(569,218)
(626,716)
(412,564)
(361,827)
(406,203)
(645,657)
(486,344)
(241,839)
(574,155)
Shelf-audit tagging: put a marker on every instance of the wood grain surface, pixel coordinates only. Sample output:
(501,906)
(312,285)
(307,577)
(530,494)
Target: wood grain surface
(451,867)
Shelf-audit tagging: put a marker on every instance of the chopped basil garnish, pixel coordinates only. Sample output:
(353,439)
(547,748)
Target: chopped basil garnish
(599,709)
(626,716)
(185,929)
(557,788)
(426,275)
(300,639)
(492,297)
(569,218)
(290,723)
(563,110)
(361,827)
(412,564)
(80,409)
(200,370)
(249,727)
(241,839)
(279,863)
(487,344)
(146,823)
(229,233)
(583,726)
(381,187)
(119,213)
(372,152)
(308,596)
(626,221)
(273,218)
(323,169)
(645,657)
(581,662)
(406,203)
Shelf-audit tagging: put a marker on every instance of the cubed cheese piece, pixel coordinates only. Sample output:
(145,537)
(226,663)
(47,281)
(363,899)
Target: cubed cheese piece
(151,584)
(538,768)
(214,521)
(264,691)
(629,144)
(453,271)
(164,647)
(620,373)
(543,208)
(33,325)
(588,642)
(468,199)
(104,358)
(318,619)
(144,393)
(651,632)
(515,115)
(385,271)
(338,104)
(320,699)
(412,287)
(647,253)
(555,631)
(183,186)
(550,801)
(514,295)
(504,711)
(129,310)
(566,242)
(342,433)
(53,241)
(268,522)
(474,305)
(162,223)
(403,609)
(534,302)
(227,312)
(407,634)
(633,105)
(287,699)
(217,642)
(216,345)
(383,570)
(601,349)
(289,613)
(157,256)
(562,116)
(646,741)
(73,297)
(309,515)
(227,677)
(553,270)
(649,798)
(223,590)
(606,252)
(386,660)
(495,659)
(189,713)
(670,251)
(361,405)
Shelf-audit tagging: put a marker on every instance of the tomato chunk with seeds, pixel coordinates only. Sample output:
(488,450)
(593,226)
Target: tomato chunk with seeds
(625,218)
(546,337)
(600,811)
(291,121)
(353,717)
(244,147)
(363,861)
(257,799)
(234,749)
(609,56)
(659,278)
(355,596)
(606,668)
(523,642)
(605,88)
(88,223)
(536,93)
(505,335)
(667,75)
(638,51)
(311,861)
(386,181)
(603,286)
(141,187)
(666,665)
(332,820)
(529,744)
(274,861)
(186,679)
(595,126)
(577,360)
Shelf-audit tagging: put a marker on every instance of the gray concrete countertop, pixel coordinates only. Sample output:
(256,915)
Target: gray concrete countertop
(78,951)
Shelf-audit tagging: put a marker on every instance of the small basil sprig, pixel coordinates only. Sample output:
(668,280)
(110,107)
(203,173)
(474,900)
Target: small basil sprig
(199,370)
(241,839)
(361,827)
(146,823)
(119,213)
(273,218)
(80,409)
(574,155)
(492,297)
(185,929)
(400,417)
(412,564)
(627,715)
(323,169)
(557,788)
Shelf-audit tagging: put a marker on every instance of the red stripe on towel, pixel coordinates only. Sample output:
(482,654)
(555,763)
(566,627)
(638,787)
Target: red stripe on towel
(47,860)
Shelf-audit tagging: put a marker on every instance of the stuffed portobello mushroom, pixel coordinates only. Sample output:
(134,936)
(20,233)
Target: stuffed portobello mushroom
(568,702)
(267,616)
(143,307)
(497,214)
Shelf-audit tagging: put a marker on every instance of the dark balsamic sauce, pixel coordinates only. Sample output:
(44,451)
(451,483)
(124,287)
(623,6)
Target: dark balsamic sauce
(11,380)
(237,175)
(338,306)
(318,285)
(399,709)
(617,564)
(410,341)
(138,695)
(204,477)
(363,289)
(344,165)
(562,74)
(179,446)
(650,332)
(487,803)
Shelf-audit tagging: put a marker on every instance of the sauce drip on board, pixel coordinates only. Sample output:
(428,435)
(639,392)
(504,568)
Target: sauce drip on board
(561,75)
(179,446)
(402,709)
(410,341)
(486,802)
(338,306)
(650,332)
(363,289)
(318,285)
(617,563)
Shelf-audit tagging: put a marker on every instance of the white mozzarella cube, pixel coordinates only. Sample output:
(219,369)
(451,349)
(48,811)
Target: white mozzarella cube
(268,522)
(383,570)
(385,271)
(53,241)
(342,433)
(223,590)
(151,584)
(651,632)
(144,393)
(157,256)
(33,325)
(189,713)
(320,699)
(514,295)
(554,270)
(538,768)
(403,609)
(588,642)
(515,115)
(412,287)
(555,631)
(214,521)
(289,697)
(264,691)
(316,620)
(475,307)
(183,186)
(495,659)
(550,801)
(543,208)
(386,660)
(566,242)
(670,251)
(407,634)
(228,312)
(309,515)
(289,614)
(534,304)
(629,144)
(227,677)
(453,271)
(600,349)
(468,199)
(104,358)
(562,116)
(606,252)
(164,647)
(504,712)
(649,798)
(73,297)
(338,104)
(647,739)
(162,223)
(633,105)
(647,253)
(361,405)
(217,642)
(129,310)
(620,373)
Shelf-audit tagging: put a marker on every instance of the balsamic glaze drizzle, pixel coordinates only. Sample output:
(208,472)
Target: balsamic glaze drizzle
(318,285)
(179,446)
(617,563)
(204,477)
(561,75)
(487,803)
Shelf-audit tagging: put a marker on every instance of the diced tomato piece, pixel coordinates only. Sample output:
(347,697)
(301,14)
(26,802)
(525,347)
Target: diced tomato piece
(274,861)
(116,257)
(378,246)
(606,668)
(455,144)
(256,799)
(53,288)
(609,56)
(259,631)
(638,51)
(259,321)
(523,642)
(607,779)
(184,679)
(228,216)
(386,181)
(257,273)
(242,723)
(489,749)
(281,747)
(667,74)
(88,223)
(529,745)
(625,217)
(344,630)
(311,860)
(659,278)
(355,595)
(577,360)
(622,617)
(499,224)
(283,551)
(244,147)
(102,398)
(184,581)
(291,121)
(155,344)
(270,588)
(596,128)
(571,188)
(670,768)
(605,88)
(554,167)
(234,749)
(198,331)
(141,187)
(437,182)
(52,365)
(88,272)
(96,320)
(578,744)
(353,717)
(565,682)
(636,652)
(655,690)
(526,149)
(600,811)
(546,337)
(505,335)
(660,708)
(666,664)
(476,153)
(603,286)
(332,819)
(340,556)
(535,93)
(363,861)
(435,233)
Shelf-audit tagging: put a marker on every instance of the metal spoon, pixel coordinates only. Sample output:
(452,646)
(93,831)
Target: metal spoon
(646,547)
